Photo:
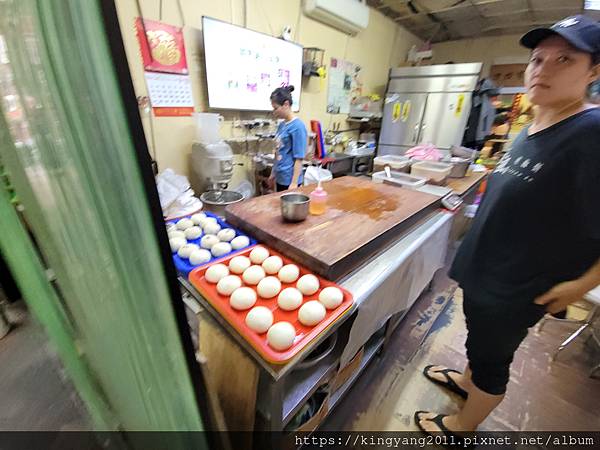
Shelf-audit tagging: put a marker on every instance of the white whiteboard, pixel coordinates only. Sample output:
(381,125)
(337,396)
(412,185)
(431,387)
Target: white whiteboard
(243,66)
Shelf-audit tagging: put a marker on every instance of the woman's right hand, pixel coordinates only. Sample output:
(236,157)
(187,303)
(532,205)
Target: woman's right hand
(271,181)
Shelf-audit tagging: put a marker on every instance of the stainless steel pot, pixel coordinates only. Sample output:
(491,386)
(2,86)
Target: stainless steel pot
(294,207)
(459,166)
(217,201)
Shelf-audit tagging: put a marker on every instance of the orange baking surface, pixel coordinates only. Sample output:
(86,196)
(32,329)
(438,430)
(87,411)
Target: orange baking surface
(237,319)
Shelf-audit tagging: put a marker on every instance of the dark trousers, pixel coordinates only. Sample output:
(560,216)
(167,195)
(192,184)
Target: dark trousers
(495,330)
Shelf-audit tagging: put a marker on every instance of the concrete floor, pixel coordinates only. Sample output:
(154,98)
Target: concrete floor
(541,395)
(35,393)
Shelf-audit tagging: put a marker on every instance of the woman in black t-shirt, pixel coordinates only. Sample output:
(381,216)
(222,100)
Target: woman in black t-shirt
(534,246)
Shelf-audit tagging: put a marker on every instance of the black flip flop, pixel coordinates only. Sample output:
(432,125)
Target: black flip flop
(452,438)
(449,384)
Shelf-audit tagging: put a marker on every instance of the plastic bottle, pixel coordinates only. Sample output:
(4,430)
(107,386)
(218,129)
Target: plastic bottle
(318,201)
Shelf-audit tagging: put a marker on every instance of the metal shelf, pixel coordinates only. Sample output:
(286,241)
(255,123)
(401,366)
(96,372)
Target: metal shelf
(371,349)
(301,384)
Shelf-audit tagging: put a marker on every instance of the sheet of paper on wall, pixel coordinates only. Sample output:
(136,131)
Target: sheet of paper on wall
(344,85)
(170,94)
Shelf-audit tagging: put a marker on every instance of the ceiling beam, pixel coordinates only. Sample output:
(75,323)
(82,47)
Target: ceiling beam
(536,23)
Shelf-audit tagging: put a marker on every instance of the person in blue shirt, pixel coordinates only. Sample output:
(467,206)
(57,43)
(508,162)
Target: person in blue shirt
(291,140)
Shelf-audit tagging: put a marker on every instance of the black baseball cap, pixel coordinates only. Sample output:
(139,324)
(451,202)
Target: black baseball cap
(580,31)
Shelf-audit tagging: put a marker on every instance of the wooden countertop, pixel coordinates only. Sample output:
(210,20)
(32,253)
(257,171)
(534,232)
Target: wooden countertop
(362,217)
(461,185)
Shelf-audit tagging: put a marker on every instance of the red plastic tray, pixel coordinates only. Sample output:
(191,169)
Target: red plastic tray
(237,319)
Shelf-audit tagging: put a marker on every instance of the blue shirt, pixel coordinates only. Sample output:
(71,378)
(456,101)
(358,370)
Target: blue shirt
(291,141)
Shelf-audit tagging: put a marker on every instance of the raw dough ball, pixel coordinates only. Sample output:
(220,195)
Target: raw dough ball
(259,319)
(176,243)
(308,284)
(228,284)
(192,233)
(289,273)
(176,233)
(269,287)
(212,228)
(200,256)
(184,224)
(220,249)
(281,335)
(331,297)
(240,242)
(239,263)
(272,264)
(253,275)
(311,313)
(171,227)
(208,241)
(242,298)
(258,255)
(198,218)
(186,250)
(214,273)
(226,234)
(289,299)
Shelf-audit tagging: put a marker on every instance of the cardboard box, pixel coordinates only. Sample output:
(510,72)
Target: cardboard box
(346,372)
(313,423)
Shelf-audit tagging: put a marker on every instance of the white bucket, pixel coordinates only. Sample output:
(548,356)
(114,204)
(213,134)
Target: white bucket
(207,127)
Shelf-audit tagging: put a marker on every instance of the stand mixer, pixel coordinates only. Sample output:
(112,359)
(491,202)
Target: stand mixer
(212,158)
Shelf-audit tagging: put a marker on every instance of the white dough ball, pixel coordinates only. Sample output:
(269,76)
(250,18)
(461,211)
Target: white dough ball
(220,249)
(212,228)
(253,274)
(176,233)
(228,284)
(331,297)
(281,335)
(192,233)
(226,234)
(311,313)
(200,256)
(289,273)
(269,287)
(289,299)
(184,224)
(239,263)
(242,298)
(240,242)
(198,218)
(209,241)
(186,250)
(215,273)
(171,226)
(308,284)
(259,318)
(176,243)
(272,264)
(258,255)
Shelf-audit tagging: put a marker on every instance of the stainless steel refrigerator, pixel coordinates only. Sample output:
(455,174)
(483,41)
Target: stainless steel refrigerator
(427,104)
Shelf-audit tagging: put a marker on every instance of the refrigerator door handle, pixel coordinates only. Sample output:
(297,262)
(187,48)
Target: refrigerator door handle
(415,134)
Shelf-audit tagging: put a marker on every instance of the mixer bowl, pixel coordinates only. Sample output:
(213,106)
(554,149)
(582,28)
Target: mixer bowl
(217,201)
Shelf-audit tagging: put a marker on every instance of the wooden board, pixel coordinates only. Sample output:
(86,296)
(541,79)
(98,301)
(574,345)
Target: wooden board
(461,185)
(362,217)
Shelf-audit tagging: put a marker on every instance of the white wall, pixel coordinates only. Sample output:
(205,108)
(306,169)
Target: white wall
(488,50)
(382,45)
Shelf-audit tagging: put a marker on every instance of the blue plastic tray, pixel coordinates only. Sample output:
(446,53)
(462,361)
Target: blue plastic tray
(183,265)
